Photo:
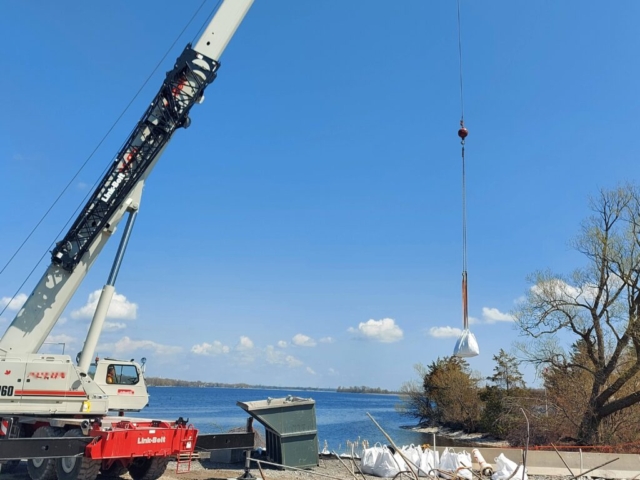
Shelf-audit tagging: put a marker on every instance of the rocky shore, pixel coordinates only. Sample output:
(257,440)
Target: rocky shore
(462,438)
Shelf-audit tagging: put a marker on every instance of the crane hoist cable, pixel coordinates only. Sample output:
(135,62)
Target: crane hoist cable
(462,133)
(466,346)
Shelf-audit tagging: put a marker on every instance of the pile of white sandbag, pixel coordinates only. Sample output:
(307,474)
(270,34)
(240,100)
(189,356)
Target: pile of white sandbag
(383,461)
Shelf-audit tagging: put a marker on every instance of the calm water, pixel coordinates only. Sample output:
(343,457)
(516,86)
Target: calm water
(340,417)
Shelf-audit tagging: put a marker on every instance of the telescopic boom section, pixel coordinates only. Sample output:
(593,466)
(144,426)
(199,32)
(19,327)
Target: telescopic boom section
(168,111)
(72,257)
(183,87)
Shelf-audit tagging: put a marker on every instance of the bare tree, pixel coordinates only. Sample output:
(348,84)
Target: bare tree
(413,402)
(597,305)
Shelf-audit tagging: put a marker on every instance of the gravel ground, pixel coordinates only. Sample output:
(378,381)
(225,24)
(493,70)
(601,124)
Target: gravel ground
(206,470)
(328,468)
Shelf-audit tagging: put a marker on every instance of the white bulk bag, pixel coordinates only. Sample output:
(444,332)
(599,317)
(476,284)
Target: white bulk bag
(457,464)
(467,345)
(370,458)
(380,461)
(505,469)
(389,464)
(428,462)
(414,454)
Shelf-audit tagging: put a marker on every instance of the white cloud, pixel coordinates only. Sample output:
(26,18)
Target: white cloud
(311,371)
(556,288)
(292,361)
(445,332)
(61,338)
(120,308)
(14,303)
(276,357)
(282,344)
(217,348)
(126,345)
(245,352)
(327,340)
(113,326)
(473,321)
(302,340)
(493,315)
(385,330)
(245,343)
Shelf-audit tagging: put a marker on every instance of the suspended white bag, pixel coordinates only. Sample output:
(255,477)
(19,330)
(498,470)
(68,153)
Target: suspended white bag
(467,345)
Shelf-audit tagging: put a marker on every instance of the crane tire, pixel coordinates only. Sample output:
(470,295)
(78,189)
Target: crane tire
(148,468)
(43,468)
(117,469)
(9,466)
(77,468)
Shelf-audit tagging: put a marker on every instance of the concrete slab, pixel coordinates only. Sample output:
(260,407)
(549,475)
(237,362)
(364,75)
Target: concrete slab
(548,463)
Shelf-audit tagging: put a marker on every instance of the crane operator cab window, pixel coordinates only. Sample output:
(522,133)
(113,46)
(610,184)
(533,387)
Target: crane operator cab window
(111,374)
(122,374)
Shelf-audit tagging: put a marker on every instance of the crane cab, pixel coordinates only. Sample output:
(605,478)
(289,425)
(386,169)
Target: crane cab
(122,381)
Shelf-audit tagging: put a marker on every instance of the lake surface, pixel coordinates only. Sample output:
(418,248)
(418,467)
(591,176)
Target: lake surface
(340,417)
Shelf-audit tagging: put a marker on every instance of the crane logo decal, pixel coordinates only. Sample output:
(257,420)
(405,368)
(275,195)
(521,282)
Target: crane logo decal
(145,440)
(113,187)
(47,375)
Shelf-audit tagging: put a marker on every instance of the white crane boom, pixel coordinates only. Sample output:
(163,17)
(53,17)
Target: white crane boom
(120,190)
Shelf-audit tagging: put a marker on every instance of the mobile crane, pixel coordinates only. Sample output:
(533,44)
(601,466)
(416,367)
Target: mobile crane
(45,396)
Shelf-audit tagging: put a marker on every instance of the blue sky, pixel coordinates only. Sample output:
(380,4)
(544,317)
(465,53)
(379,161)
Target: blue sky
(306,229)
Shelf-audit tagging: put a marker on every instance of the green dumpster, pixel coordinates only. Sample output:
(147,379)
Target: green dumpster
(290,429)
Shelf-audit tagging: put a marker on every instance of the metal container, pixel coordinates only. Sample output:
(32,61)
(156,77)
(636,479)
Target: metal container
(290,429)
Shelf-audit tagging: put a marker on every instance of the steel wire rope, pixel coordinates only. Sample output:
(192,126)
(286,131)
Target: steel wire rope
(84,164)
(460,66)
(462,133)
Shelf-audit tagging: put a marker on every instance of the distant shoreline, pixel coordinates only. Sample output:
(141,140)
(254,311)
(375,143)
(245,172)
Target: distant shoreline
(166,382)
(475,439)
